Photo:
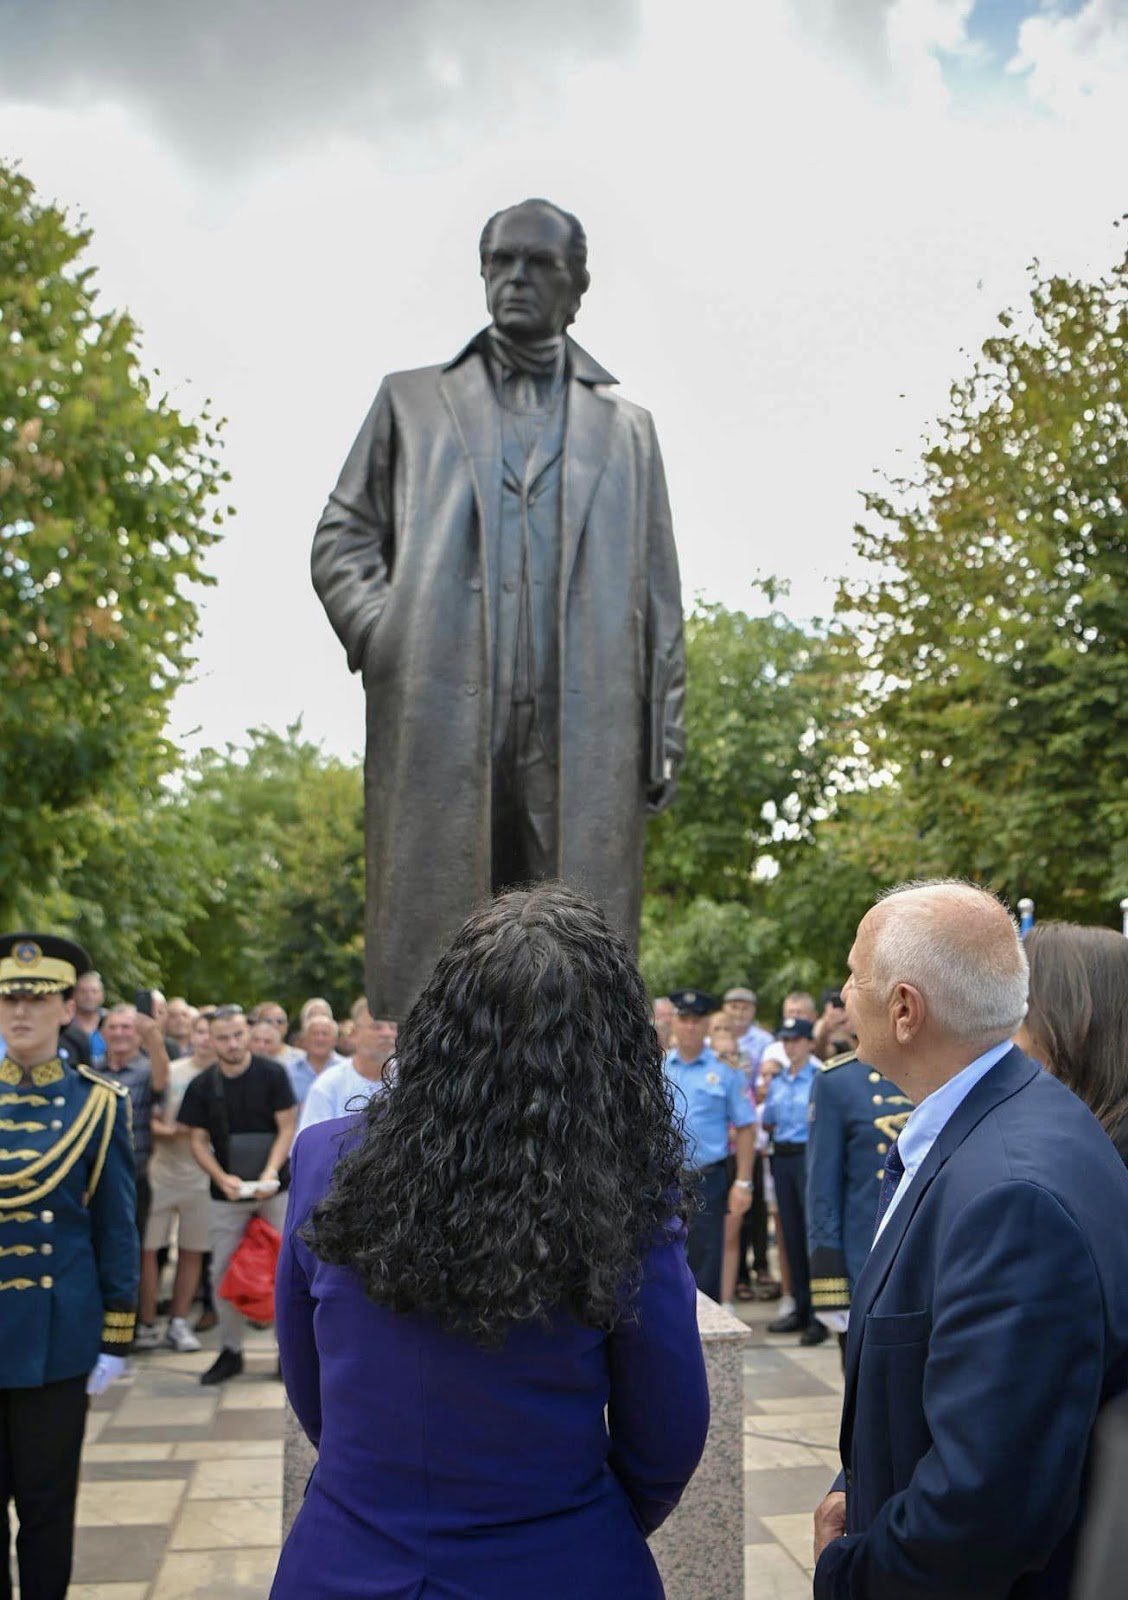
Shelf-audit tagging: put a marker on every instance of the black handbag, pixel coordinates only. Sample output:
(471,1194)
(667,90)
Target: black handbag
(243,1155)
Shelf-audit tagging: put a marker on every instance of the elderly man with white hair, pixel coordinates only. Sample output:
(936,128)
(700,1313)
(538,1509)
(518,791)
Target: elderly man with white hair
(989,1325)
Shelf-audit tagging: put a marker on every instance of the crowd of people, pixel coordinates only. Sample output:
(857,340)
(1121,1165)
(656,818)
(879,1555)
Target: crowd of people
(217,1096)
(749,1144)
(824,1120)
(939,1147)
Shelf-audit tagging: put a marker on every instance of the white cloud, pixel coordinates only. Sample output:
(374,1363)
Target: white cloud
(232,82)
(791,243)
(1076,64)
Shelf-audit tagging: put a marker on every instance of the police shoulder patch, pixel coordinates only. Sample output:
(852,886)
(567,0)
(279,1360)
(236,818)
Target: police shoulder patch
(96,1077)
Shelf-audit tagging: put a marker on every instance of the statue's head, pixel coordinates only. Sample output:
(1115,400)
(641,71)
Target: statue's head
(534,264)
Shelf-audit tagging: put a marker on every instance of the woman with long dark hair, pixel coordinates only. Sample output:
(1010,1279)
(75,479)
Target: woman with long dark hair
(1077,1021)
(486,1321)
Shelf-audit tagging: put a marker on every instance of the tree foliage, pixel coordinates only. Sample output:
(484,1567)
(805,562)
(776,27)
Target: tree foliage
(731,886)
(277,836)
(993,677)
(106,511)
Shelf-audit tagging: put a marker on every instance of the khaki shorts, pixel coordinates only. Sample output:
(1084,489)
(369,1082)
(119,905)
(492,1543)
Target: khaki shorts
(189,1207)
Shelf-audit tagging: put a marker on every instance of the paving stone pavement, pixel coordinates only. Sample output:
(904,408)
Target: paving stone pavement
(181,1493)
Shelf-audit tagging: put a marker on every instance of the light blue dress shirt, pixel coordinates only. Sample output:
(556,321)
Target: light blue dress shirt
(754,1042)
(927,1121)
(787,1104)
(303,1074)
(710,1096)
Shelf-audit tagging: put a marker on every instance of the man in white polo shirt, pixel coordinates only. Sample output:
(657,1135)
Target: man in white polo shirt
(351,1083)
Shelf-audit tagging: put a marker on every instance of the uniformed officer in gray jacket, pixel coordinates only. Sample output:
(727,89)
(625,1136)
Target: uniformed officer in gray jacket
(69,1257)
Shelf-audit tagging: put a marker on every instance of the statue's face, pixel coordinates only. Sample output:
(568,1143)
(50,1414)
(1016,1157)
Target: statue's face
(529,289)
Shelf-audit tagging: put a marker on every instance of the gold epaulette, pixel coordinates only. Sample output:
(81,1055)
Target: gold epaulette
(96,1077)
(840,1061)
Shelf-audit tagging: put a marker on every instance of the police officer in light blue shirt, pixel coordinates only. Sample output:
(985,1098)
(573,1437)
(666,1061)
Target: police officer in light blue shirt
(786,1115)
(711,1098)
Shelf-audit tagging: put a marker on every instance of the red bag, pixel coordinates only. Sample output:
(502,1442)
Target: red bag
(249,1280)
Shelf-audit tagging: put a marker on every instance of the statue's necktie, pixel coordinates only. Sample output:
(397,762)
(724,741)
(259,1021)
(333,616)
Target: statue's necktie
(890,1178)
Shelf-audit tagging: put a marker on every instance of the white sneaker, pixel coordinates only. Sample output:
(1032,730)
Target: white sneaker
(785,1305)
(181,1338)
(145,1336)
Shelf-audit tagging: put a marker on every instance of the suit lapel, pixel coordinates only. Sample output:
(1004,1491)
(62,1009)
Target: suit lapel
(586,447)
(1004,1079)
(469,395)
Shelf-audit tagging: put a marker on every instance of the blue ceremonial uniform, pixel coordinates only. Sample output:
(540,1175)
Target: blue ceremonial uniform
(855,1116)
(69,1257)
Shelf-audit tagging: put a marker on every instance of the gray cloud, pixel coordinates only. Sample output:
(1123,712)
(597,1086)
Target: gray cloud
(228,81)
(855,29)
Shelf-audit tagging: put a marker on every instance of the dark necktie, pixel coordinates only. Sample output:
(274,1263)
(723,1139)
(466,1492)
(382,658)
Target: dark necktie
(890,1178)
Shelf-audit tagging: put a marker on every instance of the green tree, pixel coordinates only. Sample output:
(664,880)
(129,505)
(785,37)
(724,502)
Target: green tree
(106,511)
(757,757)
(277,834)
(736,884)
(993,680)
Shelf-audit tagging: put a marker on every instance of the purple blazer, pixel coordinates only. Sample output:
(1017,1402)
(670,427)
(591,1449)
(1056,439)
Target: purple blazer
(448,1472)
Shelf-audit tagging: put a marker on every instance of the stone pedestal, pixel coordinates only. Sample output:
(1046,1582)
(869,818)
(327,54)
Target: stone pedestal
(700,1550)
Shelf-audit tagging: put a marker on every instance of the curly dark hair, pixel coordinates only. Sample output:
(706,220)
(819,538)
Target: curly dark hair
(528,1150)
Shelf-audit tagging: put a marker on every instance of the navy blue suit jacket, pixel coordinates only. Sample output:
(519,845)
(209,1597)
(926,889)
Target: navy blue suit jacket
(989,1327)
(449,1471)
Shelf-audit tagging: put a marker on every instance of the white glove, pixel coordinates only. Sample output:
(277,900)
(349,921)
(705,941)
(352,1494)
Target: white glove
(106,1369)
(834,1321)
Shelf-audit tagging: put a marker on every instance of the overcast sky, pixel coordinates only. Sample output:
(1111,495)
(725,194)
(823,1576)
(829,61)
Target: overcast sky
(802,214)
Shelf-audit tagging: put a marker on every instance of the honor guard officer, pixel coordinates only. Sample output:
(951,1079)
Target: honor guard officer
(711,1097)
(855,1116)
(69,1256)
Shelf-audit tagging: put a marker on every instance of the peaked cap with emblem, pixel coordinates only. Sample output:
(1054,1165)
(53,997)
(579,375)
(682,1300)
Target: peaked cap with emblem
(693,1002)
(40,963)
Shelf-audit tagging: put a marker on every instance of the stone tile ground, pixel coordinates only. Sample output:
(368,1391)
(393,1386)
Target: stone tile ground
(181,1493)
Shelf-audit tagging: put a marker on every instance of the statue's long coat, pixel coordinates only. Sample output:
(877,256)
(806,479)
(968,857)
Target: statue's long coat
(399,561)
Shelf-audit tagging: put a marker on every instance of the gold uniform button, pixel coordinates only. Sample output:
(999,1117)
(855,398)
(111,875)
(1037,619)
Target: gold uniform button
(880,1173)
(46,1283)
(875,1077)
(881,1149)
(59,1100)
(877,1099)
(46,1216)
(56,1125)
(46,1249)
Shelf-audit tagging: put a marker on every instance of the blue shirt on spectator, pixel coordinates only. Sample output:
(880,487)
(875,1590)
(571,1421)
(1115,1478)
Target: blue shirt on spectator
(754,1042)
(787,1108)
(303,1074)
(710,1096)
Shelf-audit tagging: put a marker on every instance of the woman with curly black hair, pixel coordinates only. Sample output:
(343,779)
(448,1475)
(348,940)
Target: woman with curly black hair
(486,1321)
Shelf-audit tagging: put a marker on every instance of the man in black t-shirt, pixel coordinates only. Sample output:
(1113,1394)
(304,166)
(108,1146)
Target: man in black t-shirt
(242,1116)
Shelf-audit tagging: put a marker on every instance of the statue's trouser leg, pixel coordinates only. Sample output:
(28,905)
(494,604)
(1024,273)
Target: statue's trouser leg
(524,821)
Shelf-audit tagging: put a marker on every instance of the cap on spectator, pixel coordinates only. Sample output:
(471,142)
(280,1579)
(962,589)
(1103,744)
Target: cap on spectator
(693,1002)
(796,1028)
(40,963)
(741,994)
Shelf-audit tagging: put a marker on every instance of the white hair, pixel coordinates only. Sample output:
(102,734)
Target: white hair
(960,947)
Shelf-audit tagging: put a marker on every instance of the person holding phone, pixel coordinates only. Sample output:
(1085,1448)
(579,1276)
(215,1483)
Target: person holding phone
(242,1115)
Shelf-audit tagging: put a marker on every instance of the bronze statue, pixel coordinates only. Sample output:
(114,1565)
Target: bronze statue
(498,561)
